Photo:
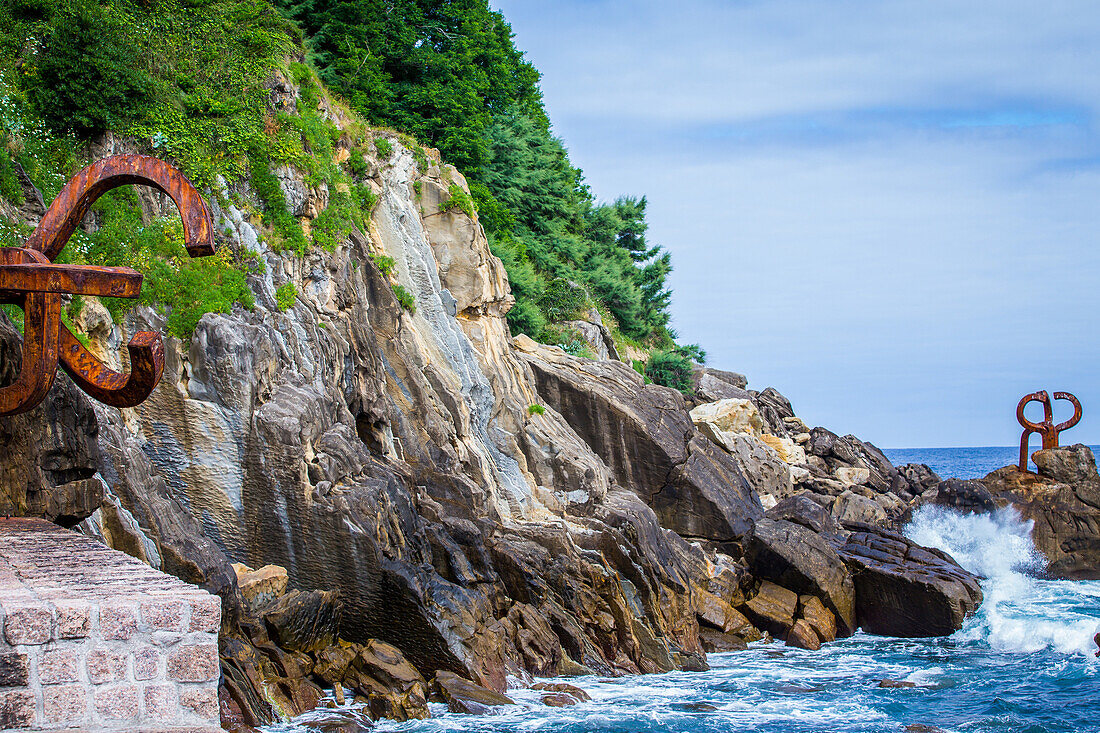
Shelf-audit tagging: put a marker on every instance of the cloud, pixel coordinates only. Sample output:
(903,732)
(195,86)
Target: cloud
(886,210)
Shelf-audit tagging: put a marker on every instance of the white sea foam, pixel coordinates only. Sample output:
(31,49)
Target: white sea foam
(1021,612)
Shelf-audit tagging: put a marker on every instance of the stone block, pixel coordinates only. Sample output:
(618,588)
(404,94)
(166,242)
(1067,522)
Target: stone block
(14,669)
(29,623)
(202,701)
(74,619)
(166,638)
(105,665)
(57,666)
(160,702)
(66,704)
(16,709)
(163,615)
(146,663)
(193,663)
(206,613)
(117,621)
(117,702)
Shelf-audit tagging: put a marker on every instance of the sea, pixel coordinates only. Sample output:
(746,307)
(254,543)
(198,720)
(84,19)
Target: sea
(965,463)
(1023,663)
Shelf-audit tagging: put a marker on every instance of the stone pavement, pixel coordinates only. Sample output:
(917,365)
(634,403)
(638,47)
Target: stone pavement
(94,640)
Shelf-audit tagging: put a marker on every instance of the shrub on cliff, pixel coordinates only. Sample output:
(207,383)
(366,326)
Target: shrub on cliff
(670,369)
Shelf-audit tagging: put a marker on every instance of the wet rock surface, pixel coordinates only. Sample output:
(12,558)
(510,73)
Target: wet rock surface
(1063,501)
(903,589)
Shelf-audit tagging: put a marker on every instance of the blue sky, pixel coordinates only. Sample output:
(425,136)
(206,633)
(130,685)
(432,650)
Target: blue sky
(889,211)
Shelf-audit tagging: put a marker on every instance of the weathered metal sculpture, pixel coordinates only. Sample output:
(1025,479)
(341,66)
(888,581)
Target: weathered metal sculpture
(1047,429)
(30,279)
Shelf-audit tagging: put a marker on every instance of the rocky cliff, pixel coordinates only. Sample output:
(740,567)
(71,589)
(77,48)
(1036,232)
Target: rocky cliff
(447,500)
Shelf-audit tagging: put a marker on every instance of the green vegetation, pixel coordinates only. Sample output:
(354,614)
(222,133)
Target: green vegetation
(670,368)
(457,198)
(405,298)
(190,81)
(448,72)
(286,295)
(536,410)
(384,263)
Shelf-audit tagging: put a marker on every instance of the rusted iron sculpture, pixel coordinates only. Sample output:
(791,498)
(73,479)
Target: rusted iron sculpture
(1047,429)
(30,279)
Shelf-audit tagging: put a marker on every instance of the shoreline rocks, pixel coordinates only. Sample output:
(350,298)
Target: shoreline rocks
(903,589)
(1063,501)
(419,529)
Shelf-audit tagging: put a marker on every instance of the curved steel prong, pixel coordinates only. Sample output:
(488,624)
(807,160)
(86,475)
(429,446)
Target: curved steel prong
(68,209)
(106,385)
(1040,396)
(1076,413)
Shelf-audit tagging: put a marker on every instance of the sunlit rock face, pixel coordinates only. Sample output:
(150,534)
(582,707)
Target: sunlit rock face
(433,488)
(387,454)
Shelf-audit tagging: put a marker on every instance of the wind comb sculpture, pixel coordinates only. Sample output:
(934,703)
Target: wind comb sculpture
(31,280)
(1047,429)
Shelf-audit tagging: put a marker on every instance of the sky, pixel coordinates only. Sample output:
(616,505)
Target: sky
(888,211)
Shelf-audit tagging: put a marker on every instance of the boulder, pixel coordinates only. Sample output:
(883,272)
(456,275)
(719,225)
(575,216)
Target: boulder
(803,636)
(563,688)
(716,642)
(645,435)
(716,384)
(387,682)
(716,612)
(1072,465)
(260,587)
(767,473)
(463,696)
(728,415)
(970,496)
(851,507)
(304,621)
(903,589)
(774,409)
(596,335)
(787,449)
(331,663)
(919,477)
(816,615)
(772,609)
(796,558)
(853,475)
(805,511)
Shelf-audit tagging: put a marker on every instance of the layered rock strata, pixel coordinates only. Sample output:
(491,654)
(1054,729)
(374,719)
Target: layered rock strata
(422,521)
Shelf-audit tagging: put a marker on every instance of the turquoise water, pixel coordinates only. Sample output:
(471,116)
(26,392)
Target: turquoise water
(965,462)
(1024,663)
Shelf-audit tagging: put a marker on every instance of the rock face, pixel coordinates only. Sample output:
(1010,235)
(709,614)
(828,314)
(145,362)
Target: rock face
(412,516)
(1063,501)
(48,456)
(389,463)
(646,437)
(797,558)
(902,589)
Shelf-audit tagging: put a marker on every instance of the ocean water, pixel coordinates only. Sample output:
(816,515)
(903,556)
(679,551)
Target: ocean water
(965,463)
(1024,663)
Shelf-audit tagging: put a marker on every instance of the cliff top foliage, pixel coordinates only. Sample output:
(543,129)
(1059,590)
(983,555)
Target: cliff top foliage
(189,80)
